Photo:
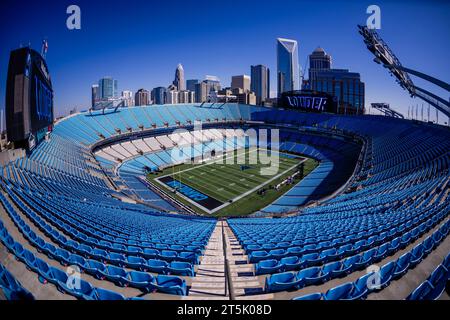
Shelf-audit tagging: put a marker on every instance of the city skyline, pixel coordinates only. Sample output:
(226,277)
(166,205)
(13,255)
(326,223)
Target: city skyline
(74,72)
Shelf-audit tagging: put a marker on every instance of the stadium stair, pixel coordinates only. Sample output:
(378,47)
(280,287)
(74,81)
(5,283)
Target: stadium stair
(210,280)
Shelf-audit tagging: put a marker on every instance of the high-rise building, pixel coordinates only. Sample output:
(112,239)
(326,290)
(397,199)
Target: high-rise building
(191,97)
(260,83)
(95,94)
(107,88)
(179,78)
(142,97)
(127,97)
(201,92)
(244,97)
(183,96)
(241,81)
(287,65)
(213,83)
(318,60)
(172,97)
(190,84)
(345,86)
(159,95)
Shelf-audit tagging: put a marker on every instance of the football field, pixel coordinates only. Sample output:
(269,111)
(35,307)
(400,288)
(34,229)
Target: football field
(228,181)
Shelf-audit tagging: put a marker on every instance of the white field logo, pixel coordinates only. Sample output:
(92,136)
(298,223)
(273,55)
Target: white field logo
(231,141)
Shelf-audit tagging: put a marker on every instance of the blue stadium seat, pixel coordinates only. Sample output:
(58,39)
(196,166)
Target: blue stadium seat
(422,292)
(308,276)
(43,270)
(117,275)
(97,269)
(438,280)
(348,266)
(291,263)
(157,266)
(171,285)
(83,291)
(138,263)
(281,282)
(181,268)
(311,296)
(366,258)
(141,280)
(341,292)
(416,255)
(268,266)
(12,288)
(402,265)
(386,273)
(362,287)
(118,259)
(330,269)
(103,294)
(257,256)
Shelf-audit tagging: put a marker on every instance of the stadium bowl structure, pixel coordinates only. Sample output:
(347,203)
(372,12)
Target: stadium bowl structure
(79,220)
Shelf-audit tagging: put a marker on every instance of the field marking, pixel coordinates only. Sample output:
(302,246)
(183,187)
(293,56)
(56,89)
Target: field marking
(255,188)
(213,161)
(227,203)
(217,181)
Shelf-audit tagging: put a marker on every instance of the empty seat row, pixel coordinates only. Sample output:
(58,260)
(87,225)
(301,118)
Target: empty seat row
(46,273)
(378,280)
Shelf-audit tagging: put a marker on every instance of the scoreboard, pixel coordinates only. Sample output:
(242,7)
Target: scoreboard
(308,101)
(29,98)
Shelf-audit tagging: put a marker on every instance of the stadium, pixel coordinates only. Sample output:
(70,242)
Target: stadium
(220,201)
(65,205)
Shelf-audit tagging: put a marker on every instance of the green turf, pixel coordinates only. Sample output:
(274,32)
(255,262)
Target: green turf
(225,182)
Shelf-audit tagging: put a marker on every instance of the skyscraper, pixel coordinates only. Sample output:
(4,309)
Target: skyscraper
(213,83)
(201,92)
(345,86)
(260,83)
(142,98)
(95,94)
(159,95)
(287,65)
(204,88)
(190,84)
(318,60)
(107,88)
(242,81)
(179,78)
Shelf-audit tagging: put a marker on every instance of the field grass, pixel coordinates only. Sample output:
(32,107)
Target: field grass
(230,184)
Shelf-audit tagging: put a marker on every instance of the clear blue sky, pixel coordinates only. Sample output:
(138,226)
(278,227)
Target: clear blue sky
(140,43)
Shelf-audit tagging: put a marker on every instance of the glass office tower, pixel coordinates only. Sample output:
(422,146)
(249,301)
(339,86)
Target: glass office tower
(260,83)
(107,88)
(287,65)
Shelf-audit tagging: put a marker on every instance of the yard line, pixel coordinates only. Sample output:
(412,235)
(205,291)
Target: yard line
(210,183)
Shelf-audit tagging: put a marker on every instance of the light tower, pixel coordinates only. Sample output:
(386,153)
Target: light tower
(386,57)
